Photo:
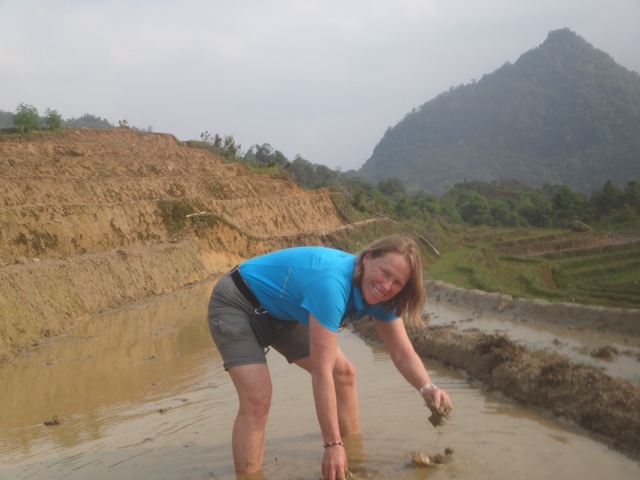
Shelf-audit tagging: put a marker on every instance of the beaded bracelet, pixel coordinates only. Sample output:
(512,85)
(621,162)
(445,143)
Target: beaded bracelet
(333,444)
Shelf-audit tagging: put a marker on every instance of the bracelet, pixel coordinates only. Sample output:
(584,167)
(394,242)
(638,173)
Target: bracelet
(333,444)
(428,386)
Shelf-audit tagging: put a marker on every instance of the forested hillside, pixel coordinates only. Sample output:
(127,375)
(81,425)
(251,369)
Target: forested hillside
(563,113)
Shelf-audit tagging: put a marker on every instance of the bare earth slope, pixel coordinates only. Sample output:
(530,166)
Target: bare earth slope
(95,219)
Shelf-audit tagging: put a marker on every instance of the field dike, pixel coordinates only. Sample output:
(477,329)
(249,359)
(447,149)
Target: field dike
(93,220)
(624,321)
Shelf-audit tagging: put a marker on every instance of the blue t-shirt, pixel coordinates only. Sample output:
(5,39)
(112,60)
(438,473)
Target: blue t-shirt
(295,282)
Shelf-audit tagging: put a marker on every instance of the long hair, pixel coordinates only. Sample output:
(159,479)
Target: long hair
(408,302)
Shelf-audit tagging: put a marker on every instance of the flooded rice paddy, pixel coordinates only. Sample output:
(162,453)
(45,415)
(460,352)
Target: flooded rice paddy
(141,393)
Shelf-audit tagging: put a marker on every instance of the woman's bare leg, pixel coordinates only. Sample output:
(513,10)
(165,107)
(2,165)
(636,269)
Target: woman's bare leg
(253,385)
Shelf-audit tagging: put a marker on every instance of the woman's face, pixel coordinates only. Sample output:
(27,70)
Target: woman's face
(383,277)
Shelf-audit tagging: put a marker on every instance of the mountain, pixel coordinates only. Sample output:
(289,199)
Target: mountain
(563,113)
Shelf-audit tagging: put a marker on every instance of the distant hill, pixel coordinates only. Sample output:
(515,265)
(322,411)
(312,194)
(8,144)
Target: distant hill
(563,113)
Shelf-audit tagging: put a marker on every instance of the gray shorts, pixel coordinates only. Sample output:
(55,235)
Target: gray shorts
(229,326)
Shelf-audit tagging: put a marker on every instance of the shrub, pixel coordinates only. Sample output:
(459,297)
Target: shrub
(53,119)
(26,118)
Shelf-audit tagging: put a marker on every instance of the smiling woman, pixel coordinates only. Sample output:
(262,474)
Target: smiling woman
(302,296)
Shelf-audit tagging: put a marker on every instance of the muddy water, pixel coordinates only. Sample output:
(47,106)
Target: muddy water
(144,395)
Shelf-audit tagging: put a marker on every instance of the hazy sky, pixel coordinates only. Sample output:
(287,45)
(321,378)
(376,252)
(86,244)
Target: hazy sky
(320,78)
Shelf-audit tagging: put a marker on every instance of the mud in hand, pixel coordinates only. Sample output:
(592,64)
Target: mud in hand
(438,415)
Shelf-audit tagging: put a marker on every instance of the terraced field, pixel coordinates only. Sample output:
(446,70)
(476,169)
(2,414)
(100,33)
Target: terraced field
(557,265)
(605,275)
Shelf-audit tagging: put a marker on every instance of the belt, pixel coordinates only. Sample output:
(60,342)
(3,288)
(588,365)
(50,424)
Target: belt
(244,289)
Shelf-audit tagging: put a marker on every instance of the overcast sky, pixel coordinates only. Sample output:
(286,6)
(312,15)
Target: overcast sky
(320,78)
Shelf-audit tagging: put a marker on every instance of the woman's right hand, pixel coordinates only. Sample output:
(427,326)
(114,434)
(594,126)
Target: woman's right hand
(334,463)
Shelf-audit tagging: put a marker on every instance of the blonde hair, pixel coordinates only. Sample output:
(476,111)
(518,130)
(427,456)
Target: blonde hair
(409,302)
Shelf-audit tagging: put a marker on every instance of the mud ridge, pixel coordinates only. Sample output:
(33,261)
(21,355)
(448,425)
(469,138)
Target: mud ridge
(624,321)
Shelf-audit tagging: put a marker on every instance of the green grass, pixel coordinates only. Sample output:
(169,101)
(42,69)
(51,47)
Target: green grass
(489,260)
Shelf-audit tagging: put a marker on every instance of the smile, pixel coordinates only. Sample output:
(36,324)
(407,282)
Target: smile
(377,292)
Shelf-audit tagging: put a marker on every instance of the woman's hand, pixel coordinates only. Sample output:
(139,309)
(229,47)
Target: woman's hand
(438,402)
(437,397)
(334,463)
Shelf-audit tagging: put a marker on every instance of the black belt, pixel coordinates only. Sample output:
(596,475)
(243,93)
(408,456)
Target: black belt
(244,289)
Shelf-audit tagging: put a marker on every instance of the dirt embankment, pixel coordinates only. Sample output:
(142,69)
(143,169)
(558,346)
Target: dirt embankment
(619,320)
(95,219)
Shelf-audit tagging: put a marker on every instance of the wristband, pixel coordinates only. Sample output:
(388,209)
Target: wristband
(333,444)
(428,386)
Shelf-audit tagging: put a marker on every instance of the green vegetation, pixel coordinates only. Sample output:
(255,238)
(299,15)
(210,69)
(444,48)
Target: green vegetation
(174,214)
(53,119)
(505,203)
(556,265)
(26,119)
(87,121)
(499,236)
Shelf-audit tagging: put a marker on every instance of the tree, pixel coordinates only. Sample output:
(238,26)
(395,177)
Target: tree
(568,205)
(390,186)
(474,209)
(537,214)
(89,121)
(226,147)
(609,199)
(504,215)
(264,154)
(26,118)
(632,195)
(53,119)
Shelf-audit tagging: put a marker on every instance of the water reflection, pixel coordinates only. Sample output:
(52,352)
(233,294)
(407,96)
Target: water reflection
(145,395)
(90,377)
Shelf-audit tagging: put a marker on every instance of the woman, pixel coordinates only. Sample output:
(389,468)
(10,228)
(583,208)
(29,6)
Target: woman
(309,292)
